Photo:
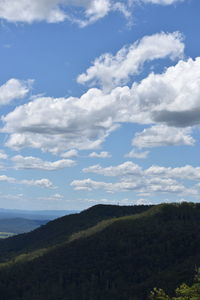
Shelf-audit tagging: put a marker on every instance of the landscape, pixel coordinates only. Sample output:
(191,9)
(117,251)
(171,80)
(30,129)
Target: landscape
(104,252)
(99,150)
(15,221)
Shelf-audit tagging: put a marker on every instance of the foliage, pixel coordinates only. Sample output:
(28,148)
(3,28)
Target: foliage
(184,292)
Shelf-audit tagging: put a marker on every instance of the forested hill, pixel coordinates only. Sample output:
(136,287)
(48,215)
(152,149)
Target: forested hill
(117,255)
(59,230)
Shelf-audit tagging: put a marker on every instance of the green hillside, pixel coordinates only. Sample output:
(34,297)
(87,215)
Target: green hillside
(59,230)
(107,253)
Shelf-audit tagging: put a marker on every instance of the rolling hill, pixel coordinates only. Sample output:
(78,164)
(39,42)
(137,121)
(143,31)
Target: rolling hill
(106,252)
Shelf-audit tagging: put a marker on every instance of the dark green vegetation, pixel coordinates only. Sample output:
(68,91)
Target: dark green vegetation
(104,253)
(19,225)
(183,292)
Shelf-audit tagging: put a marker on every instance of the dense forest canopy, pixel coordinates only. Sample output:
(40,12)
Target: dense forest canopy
(106,252)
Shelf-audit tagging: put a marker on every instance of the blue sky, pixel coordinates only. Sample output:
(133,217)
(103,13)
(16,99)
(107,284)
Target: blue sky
(99,101)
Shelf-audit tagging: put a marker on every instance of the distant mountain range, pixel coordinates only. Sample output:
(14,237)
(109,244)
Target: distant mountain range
(14,221)
(19,225)
(103,253)
(34,214)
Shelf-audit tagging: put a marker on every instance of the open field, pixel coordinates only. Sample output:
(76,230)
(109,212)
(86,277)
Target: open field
(4,235)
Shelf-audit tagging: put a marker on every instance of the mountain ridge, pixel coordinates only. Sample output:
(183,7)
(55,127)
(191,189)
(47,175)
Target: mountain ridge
(132,254)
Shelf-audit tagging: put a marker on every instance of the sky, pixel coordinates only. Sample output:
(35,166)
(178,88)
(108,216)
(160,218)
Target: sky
(99,103)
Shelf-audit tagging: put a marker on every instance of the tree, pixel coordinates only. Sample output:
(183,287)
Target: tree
(184,292)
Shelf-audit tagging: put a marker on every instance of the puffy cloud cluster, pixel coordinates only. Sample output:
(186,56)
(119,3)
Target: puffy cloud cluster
(102,154)
(112,70)
(54,11)
(127,168)
(70,153)
(137,154)
(89,185)
(162,2)
(30,162)
(3,155)
(170,98)
(45,183)
(82,12)
(186,172)
(59,124)
(152,180)
(14,89)
(161,135)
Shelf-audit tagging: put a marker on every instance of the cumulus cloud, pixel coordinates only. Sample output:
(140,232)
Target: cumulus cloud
(14,89)
(46,183)
(82,12)
(5,178)
(186,172)
(127,168)
(144,182)
(161,135)
(3,155)
(136,154)
(54,198)
(170,98)
(146,185)
(109,70)
(103,154)
(130,169)
(162,2)
(30,162)
(60,124)
(70,153)
(89,185)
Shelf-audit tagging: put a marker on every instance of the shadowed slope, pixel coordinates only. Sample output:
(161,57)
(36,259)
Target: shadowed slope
(122,258)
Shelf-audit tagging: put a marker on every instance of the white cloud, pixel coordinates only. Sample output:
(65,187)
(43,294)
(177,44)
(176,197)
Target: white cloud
(70,153)
(136,154)
(89,185)
(55,125)
(127,168)
(3,155)
(4,178)
(30,162)
(14,89)
(161,135)
(46,183)
(143,201)
(54,198)
(58,124)
(172,97)
(162,2)
(82,12)
(102,154)
(186,172)
(152,185)
(152,181)
(109,70)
